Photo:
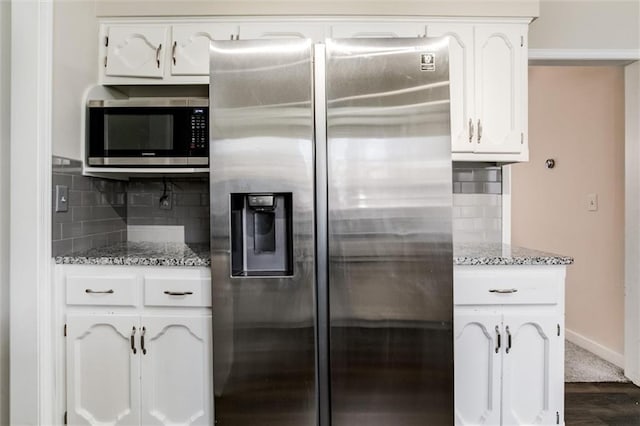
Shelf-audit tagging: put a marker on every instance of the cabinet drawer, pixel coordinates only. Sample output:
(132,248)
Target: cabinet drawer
(508,288)
(187,292)
(120,290)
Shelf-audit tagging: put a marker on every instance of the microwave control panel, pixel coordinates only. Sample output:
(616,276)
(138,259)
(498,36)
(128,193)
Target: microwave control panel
(199,130)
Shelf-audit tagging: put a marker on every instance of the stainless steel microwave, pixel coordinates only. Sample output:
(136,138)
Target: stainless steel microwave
(148,132)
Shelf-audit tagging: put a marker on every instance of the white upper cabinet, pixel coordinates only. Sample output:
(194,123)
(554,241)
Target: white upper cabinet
(461,76)
(190,46)
(136,51)
(177,370)
(500,105)
(488,74)
(377,29)
(488,65)
(280,30)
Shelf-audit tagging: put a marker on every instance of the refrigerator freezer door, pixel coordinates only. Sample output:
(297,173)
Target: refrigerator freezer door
(390,249)
(264,319)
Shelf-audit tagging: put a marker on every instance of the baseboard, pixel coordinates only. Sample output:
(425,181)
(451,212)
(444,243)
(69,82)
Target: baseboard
(595,347)
(633,376)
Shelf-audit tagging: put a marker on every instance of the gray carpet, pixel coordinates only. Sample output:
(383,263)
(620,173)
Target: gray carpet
(583,366)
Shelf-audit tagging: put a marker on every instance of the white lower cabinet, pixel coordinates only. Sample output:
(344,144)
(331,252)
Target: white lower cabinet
(103,373)
(134,358)
(477,368)
(509,351)
(177,371)
(148,370)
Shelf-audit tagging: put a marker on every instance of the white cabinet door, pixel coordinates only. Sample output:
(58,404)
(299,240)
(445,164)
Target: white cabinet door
(136,50)
(190,47)
(477,364)
(176,371)
(532,371)
(500,61)
(280,30)
(103,373)
(378,29)
(461,74)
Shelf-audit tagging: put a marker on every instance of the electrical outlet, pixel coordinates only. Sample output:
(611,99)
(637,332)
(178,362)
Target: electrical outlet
(165,201)
(592,202)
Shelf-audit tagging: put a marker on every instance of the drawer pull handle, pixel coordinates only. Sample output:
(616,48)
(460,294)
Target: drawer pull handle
(178,293)
(142,333)
(499,343)
(110,291)
(173,52)
(133,341)
(158,55)
(503,290)
(508,339)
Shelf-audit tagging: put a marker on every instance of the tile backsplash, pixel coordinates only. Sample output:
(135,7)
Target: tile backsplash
(188,199)
(101,209)
(477,203)
(97,210)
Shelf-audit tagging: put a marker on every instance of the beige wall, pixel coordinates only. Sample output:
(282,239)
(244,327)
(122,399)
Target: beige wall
(586,24)
(5,55)
(576,116)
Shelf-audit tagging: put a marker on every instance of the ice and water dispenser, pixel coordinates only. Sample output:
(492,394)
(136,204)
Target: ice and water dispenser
(261,234)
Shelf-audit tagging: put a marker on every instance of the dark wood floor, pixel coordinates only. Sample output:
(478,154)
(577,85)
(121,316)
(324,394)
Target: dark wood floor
(602,404)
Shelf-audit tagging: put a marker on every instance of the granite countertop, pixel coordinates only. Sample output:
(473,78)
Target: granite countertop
(180,254)
(503,254)
(142,254)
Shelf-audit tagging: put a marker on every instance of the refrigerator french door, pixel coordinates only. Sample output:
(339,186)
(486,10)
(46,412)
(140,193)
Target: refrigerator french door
(331,232)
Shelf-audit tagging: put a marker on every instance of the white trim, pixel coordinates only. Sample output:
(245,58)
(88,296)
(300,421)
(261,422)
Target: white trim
(506,204)
(632,222)
(31,340)
(585,54)
(595,348)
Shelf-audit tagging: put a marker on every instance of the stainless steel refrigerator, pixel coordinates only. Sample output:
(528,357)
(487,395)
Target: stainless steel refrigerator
(331,232)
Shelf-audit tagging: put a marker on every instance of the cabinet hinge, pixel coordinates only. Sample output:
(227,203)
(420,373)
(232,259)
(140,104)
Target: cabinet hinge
(522,138)
(65,330)
(557,418)
(106,41)
(521,41)
(558,330)
(65,417)
(105,61)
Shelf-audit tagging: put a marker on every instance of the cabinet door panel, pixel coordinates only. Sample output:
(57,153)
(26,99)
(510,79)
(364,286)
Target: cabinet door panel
(136,51)
(499,92)
(532,370)
(279,30)
(378,29)
(103,374)
(190,48)
(176,371)
(477,367)
(463,121)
